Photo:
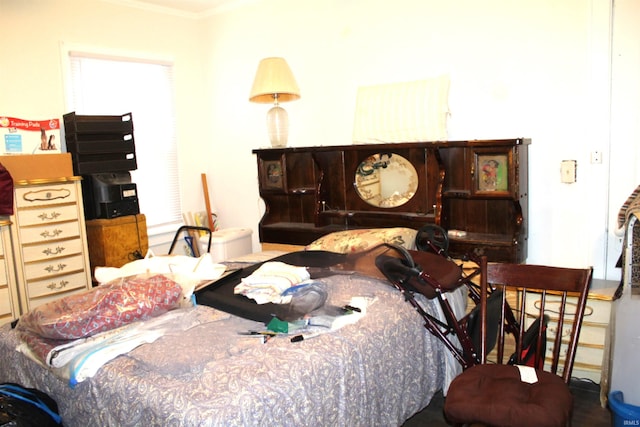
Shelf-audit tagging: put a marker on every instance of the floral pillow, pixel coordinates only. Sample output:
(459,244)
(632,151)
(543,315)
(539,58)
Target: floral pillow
(351,241)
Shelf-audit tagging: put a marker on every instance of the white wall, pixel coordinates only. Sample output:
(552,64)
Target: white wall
(624,155)
(32,71)
(536,68)
(532,68)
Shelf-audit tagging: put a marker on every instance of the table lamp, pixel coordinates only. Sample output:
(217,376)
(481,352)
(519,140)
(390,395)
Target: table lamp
(275,83)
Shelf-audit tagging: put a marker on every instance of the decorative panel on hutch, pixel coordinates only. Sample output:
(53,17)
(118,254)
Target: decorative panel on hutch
(485,195)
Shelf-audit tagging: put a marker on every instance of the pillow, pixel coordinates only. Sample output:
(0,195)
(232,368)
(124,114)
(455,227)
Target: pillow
(105,307)
(351,241)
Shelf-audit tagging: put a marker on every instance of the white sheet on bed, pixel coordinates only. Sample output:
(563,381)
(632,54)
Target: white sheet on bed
(379,371)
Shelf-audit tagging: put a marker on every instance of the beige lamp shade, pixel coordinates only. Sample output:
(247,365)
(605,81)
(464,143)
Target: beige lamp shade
(274,82)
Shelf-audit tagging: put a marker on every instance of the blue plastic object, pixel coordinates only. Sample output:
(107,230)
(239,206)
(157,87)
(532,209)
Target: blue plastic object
(624,414)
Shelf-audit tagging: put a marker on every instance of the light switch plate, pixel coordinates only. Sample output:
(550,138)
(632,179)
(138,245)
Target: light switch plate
(568,171)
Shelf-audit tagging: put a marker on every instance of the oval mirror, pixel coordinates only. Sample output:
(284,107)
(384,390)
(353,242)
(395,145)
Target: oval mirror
(386,180)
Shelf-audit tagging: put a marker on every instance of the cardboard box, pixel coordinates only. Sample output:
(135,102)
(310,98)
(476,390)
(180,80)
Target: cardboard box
(21,136)
(38,166)
(115,242)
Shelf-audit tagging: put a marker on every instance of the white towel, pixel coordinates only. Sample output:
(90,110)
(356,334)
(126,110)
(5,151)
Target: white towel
(267,283)
(189,272)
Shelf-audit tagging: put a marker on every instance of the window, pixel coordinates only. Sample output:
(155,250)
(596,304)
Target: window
(102,85)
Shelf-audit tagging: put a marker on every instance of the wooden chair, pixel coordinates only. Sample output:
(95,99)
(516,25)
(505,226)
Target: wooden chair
(493,392)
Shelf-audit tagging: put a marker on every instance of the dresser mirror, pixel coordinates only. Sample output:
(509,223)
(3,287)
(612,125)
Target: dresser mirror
(386,180)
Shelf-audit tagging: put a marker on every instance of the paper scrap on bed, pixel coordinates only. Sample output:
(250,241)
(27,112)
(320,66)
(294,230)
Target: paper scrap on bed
(402,112)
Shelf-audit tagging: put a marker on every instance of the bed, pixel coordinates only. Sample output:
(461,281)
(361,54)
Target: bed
(379,371)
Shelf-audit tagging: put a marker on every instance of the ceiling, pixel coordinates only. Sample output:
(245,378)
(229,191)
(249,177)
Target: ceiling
(195,7)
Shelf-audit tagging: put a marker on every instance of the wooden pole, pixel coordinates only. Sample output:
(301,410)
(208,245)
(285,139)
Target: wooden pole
(207,203)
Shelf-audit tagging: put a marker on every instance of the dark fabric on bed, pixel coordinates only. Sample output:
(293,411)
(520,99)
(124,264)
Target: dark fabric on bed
(511,401)
(220,295)
(318,259)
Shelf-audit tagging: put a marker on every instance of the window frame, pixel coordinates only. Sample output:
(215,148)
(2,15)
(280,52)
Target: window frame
(93,52)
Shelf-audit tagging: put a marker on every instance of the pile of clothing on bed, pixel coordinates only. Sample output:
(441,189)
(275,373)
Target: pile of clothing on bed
(75,336)
(135,304)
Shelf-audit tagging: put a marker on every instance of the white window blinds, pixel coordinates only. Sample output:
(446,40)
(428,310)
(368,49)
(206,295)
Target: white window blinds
(103,85)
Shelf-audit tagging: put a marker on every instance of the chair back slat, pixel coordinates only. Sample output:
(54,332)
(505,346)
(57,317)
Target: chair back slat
(521,319)
(557,343)
(541,335)
(503,333)
(550,290)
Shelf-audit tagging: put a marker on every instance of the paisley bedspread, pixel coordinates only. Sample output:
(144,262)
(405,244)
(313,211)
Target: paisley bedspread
(378,371)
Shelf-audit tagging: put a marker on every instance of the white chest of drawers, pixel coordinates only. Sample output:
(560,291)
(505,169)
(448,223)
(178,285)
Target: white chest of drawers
(591,344)
(49,240)
(9,304)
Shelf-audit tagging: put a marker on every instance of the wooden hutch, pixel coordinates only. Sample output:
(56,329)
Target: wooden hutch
(476,189)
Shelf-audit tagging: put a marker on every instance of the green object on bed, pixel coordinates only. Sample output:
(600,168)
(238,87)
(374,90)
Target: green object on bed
(279,326)
(282,327)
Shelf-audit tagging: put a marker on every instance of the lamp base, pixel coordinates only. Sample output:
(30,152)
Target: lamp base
(278,126)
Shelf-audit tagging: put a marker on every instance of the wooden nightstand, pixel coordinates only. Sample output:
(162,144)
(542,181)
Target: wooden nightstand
(591,345)
(117,241)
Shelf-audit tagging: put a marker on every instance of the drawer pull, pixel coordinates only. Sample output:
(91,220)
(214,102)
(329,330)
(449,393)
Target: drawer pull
(55,233)
(55,269)
(555,308)
(57,286)
(46,195)
(58,250)
(566,331)
(52,217)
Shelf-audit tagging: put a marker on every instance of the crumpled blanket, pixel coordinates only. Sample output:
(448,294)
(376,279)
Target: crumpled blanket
(629,207)
(77,360)
(79,333)
(270,280)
